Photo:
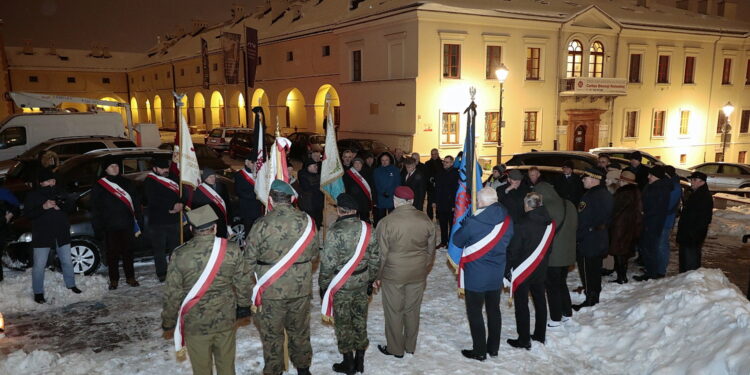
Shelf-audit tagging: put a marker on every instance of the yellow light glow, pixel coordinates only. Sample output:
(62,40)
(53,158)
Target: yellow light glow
(502,73)
(2,324)
(728,109)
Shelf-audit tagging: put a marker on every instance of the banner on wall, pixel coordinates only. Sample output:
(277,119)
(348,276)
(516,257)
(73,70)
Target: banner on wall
(230,45)
(251,55)
(204,57)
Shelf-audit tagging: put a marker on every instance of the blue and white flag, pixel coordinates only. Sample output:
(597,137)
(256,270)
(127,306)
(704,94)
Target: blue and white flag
(331,172)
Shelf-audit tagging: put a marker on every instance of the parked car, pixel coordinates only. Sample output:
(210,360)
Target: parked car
(243,143)
(219,138)
(207,157)
(357,145)
(78,175)
(303,142)
(646,158)
(725,176)
(581,160)
(65,148)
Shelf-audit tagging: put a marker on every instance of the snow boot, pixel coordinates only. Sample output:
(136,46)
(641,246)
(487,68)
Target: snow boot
(346,366)
(39,298)
(359,361)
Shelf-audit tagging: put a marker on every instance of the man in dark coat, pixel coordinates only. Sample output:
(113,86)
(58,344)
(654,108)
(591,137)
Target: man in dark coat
(627,222)
(592,237)
(116,211)
(357,185)
(694,220)
(311,198)
(655,210)
(483,276)
(446,184)
(213,193)
(244,185)
(47,207)
(413,178)
(641,171)
(511,195)
(163,205)
(387,178)
(433,167)
(529,233)
(569,185)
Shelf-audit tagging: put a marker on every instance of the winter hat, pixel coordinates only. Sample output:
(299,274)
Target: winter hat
(698,175)
(515,175)
(108,160)
(500,168)
(346,201)
(207,172)
(359,160)
(308,162)
(568,164)
(628,177)
(657,171)
(46,174)
(161,163)
(635,155)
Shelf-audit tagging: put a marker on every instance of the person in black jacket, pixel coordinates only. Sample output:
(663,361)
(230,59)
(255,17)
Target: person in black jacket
(311,199)
(357,185)
(433,167)
(511,195)
(244,185)
(528,233)
(213,193)
(641,171)
(446,184)
(116,209)
(592,235)
(163,205)
(569,185)
(655,209)
(47,207)
(413,178)
(694,220)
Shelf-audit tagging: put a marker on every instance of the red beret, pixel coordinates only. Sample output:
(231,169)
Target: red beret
(404,192)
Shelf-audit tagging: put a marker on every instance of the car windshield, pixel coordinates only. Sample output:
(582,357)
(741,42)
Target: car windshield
(215,133)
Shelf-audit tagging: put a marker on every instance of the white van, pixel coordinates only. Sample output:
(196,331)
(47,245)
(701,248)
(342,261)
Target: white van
(19,133)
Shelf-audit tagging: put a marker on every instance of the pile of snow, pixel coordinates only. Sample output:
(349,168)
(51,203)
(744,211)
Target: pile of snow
(733,221)
(17,296)
(692,323)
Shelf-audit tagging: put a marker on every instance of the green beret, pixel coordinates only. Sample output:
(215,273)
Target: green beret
(282,187)
(202,217)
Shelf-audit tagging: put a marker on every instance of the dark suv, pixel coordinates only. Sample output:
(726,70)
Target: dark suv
(243,144)
(364,145)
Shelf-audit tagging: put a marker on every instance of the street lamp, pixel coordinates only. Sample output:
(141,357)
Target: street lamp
(502,74)
(727,109)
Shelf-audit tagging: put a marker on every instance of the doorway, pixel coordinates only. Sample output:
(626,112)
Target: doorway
(583,128)
(579,138)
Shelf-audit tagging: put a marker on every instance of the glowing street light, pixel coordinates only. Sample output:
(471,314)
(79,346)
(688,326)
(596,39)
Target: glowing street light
(502,74)
(727,109)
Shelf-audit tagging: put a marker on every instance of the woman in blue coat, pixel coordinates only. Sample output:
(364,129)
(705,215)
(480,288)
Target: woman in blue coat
(387,178)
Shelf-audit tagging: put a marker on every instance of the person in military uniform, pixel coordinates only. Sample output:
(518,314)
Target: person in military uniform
(286,302)
(592,236)
(244,184)
(213,193)
(350,302)
(163,204)
(209,326)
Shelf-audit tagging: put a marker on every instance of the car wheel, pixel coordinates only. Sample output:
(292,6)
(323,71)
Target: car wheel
(85,255)
(746,195)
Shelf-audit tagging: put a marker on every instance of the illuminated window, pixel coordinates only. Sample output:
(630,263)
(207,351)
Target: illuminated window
(745,121)
(683,158)
(657,130)
(575,59)
(357,65)
(635,68)
(684,122)
(741,157)
(490,126)
(530,126)
(596,60)
(452,61)
(726,73)
(663,71)
(722,120)
(689,69)
(494,54)
(533,60)
(449,130)
(631,124)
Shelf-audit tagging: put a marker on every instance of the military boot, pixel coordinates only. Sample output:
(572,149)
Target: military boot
(346,366)
(359,361)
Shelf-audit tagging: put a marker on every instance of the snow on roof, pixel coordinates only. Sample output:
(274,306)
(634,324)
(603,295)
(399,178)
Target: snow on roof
(70,59)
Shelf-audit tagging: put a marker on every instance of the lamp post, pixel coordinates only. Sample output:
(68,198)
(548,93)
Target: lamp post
(727,109)
(502,74)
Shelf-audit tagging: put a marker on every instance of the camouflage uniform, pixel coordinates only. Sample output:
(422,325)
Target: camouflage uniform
(286,303)
(350,302)
(210,325)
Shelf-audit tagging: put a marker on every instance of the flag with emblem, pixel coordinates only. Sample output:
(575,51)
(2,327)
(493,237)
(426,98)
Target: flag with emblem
(190,173)
(331,172)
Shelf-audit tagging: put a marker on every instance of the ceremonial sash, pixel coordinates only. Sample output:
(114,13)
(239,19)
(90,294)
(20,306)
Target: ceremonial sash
(525,269)
(209,192)
(361,182)
(342,276)
(167,183)
(124,197)
(199,289)
(481,247)
(248,177)
(283,265)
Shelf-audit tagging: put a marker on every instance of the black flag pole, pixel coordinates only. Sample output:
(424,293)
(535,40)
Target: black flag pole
(470,154)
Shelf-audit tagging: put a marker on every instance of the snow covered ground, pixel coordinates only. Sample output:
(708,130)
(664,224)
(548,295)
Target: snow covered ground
(693,323)
(733,221)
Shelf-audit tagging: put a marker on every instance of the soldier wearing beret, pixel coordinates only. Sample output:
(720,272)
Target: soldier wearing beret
(163,205)
(592,236)
(208,326)
(280,249)
(349,238)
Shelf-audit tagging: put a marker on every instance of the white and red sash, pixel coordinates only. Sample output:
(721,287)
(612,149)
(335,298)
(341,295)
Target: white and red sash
(209,192)
(527,267)
(124,197)
(481,247)
(199,288)
(167,183)
(342,276)
(283,264)
(248,177)
(361,182)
